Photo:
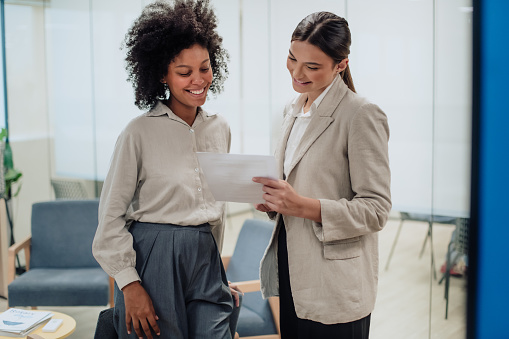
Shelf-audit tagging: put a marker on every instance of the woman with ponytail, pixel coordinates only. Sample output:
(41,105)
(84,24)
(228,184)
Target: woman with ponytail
(333,195)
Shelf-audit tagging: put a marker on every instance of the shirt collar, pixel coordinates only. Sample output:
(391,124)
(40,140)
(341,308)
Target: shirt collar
(301,99)
(161,109)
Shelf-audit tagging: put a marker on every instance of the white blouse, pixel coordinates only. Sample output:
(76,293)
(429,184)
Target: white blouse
(301,123)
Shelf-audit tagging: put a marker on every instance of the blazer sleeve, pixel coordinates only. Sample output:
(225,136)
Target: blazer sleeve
(370,178)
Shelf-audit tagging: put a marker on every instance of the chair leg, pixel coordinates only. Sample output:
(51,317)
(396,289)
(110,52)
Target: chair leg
(425,241)
(433,261)
(430,236)
(393,245)
(447,276)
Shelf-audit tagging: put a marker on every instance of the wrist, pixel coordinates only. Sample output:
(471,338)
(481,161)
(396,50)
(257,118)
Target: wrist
(311,209)
(131,286)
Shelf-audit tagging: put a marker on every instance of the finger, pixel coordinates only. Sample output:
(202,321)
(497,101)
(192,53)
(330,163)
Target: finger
(262,208)
(137,328)
(128,323)
(236,298)
(153,324)
(265,181)
(146,329)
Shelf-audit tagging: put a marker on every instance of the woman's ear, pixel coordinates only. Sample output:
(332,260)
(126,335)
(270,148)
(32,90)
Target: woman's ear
(341,66)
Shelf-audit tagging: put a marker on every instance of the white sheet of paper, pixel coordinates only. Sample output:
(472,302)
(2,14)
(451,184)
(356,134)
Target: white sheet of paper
(229,176)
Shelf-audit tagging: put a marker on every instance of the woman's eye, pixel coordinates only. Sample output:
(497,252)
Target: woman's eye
(293,59)
(204,70)
(185,74)
(312,68)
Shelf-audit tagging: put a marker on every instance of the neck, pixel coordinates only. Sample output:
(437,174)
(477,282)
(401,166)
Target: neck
(312,96)
(186,113)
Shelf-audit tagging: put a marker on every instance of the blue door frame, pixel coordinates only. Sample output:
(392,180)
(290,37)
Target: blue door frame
(488,285)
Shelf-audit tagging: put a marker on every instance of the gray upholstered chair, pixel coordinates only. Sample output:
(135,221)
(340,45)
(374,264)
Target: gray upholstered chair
(61,270)
(258,317)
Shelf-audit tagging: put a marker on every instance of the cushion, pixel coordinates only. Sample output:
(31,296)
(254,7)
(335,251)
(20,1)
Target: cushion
(60,287)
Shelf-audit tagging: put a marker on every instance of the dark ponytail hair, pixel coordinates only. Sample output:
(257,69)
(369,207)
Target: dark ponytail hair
(331,34)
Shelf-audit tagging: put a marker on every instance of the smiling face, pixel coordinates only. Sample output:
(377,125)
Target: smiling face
(311,69)
(189,77)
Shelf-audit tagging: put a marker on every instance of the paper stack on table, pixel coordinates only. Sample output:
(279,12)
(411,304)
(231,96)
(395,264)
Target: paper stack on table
(17,322)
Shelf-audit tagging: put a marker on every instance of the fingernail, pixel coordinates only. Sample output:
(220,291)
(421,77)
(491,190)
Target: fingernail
(157,318)
(128,332)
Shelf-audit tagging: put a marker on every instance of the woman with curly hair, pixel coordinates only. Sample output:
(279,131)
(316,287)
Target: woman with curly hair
(159,226)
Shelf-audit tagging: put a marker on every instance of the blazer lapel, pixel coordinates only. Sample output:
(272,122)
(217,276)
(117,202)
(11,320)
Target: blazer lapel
(287,128)
(320,120)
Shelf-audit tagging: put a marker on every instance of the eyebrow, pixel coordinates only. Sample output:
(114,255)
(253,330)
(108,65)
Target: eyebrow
(307,63)
(204,61)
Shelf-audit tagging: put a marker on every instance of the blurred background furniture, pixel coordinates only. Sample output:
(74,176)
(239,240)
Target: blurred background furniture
(65,330)
(428,218)
(67,188)
(61,270)
(258,317)
(4,245)
(458,246)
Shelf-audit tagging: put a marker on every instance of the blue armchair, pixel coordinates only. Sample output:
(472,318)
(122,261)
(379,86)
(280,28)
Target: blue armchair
(61,270)
(258,317)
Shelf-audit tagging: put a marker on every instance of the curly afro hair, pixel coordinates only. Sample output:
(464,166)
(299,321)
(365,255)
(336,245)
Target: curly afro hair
(161,32)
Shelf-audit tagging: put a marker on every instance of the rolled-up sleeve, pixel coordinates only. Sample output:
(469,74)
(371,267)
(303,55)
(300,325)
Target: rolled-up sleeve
(113,243)
(370,177)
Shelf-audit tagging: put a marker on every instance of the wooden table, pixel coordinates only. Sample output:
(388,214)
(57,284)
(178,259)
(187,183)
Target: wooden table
(66,329)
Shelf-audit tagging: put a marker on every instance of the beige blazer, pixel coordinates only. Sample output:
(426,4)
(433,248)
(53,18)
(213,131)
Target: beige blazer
(343,161)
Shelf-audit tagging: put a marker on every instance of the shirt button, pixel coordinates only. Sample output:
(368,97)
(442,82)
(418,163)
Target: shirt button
(199,189)
(191,130)
(196,169)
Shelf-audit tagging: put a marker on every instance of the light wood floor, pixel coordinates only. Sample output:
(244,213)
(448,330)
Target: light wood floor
(403,304)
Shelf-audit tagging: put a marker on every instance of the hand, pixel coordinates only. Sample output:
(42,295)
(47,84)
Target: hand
(281,197)
(262,208)
(235,290)
(139,309)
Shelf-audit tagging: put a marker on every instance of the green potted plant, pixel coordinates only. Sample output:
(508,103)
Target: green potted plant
(11,175)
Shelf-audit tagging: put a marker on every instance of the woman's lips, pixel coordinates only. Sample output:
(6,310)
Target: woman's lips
(301,83)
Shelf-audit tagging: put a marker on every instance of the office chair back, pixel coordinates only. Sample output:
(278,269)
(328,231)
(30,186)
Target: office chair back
(73,189)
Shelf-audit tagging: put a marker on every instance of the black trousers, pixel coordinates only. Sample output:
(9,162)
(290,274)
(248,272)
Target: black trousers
(293,327)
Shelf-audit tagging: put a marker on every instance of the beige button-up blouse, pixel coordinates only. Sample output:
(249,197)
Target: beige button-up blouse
(155,177)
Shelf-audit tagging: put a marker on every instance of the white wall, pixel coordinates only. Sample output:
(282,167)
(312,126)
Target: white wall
(30,130)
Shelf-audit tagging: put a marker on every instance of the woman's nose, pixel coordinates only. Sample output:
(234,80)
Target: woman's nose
(197,80)
(297,72)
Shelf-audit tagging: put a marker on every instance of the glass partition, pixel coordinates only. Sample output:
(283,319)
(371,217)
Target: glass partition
(412,58)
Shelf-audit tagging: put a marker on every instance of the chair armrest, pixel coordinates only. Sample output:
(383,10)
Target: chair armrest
(254,286)
(248,286)
(226,261)
(274,307)
(13,251)
(112,292)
